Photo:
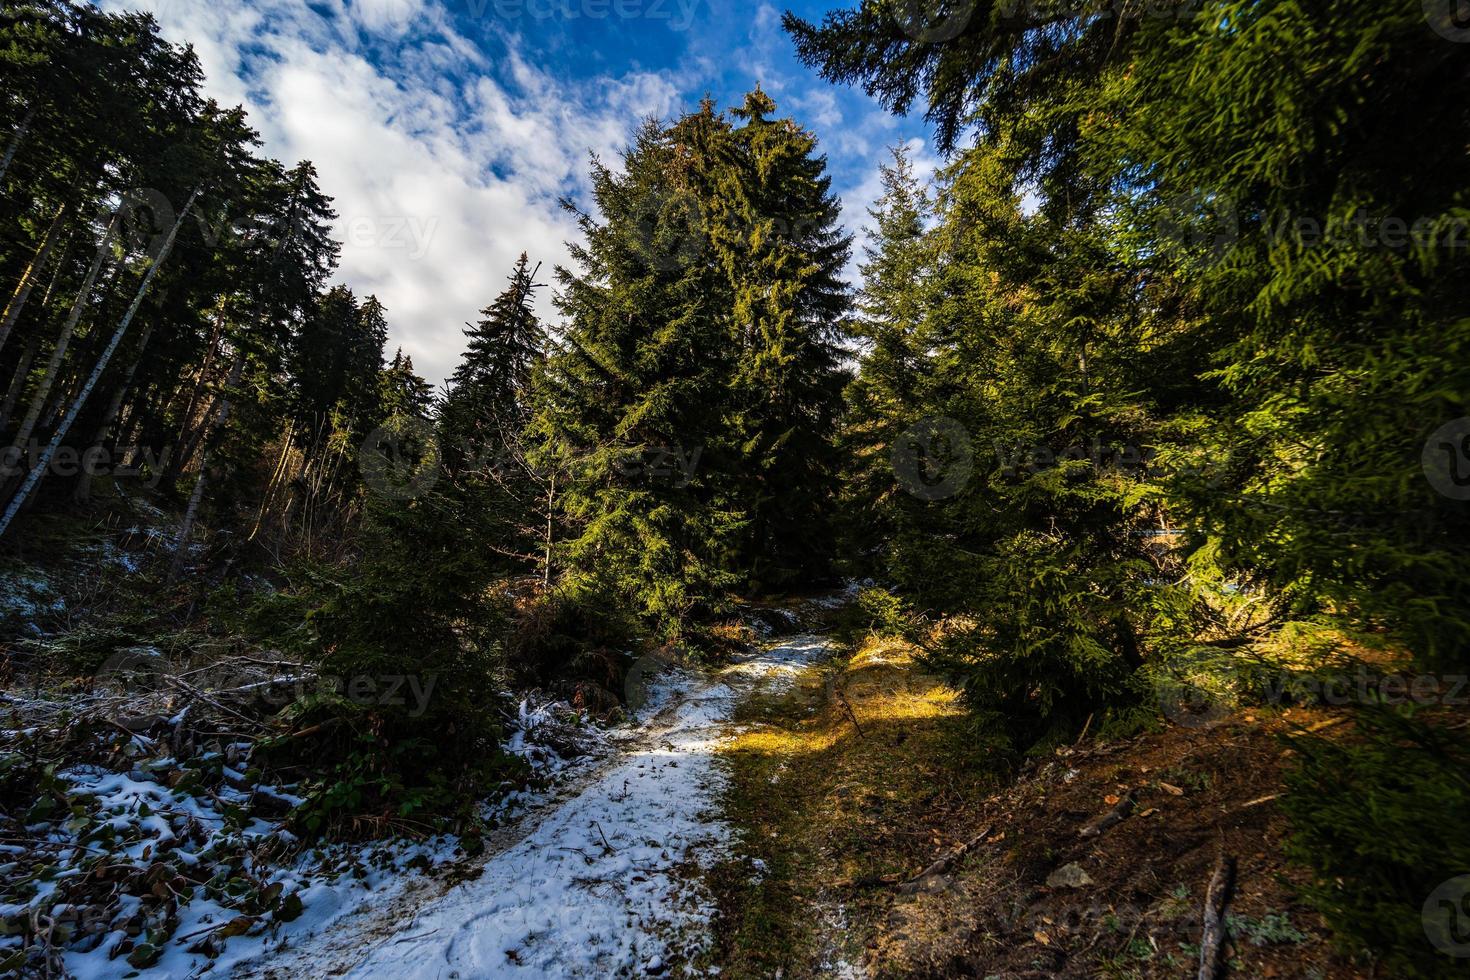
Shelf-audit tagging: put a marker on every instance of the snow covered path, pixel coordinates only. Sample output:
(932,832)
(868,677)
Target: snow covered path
(605,883)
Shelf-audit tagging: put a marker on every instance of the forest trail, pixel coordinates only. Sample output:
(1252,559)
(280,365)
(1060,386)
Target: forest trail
(603,881)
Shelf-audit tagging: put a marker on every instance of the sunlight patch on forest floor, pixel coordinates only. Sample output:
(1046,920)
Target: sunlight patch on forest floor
(872,751)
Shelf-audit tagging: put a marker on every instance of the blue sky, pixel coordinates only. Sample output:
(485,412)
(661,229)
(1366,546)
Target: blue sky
(446,130)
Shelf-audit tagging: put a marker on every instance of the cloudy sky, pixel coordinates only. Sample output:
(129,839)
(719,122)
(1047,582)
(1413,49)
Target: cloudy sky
(446,130)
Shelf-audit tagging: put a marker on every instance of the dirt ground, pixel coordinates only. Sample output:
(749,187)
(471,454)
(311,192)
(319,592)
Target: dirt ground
(881,757)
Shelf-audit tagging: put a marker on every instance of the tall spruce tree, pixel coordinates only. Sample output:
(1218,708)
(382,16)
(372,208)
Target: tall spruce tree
(694,399)
(887,396)
(489,393)
(498,495)
(632,407)
(774,229)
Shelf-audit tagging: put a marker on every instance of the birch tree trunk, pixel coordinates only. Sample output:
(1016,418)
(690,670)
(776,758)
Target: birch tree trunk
(39,469)
(63,341)
(16,140)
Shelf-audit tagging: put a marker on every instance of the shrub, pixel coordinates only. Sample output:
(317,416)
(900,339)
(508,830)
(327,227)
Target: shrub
(1050,645)
(404,733)
(1380,820)
(874,612)
(576,640)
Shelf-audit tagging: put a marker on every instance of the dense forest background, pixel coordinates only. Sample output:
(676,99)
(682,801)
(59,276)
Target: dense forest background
(1155,398)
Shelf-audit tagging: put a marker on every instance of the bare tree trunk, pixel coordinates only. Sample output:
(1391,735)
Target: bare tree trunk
(1217,899)
(191,441)
(270,488)
(38,470)
(220,416)
(53,367)
(71,376)
(16,140)
(181,546)
(188,431)
(60,268)
(28,278)
(550,514)
(18,380)
(84,482)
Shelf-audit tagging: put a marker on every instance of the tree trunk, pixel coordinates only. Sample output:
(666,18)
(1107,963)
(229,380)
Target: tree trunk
(550,514)
(53,366)
(190,442)
(220,416)
(28,278)
(184,447)
(39,469)
(1217,899)
(72,372)
(270,488)
(84,482)
(18,380)
(16,140)
(60,270)
(187,528)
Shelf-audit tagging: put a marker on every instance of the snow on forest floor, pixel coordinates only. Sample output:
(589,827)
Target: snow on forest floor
(603,880)
(153,821)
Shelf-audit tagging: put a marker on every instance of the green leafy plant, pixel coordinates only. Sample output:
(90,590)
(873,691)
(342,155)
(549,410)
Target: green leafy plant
(1379,818)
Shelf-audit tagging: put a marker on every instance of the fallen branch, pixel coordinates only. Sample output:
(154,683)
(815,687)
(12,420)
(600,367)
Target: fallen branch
(1319,726)
(319,727)
(201,696)
(1259,801)
(1111,819)
(1217,898)
(942,865)
(851,715)
(908,886)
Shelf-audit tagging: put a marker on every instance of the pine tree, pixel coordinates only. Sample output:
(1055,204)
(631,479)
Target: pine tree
(403,391)
(631,408)
(495,492)
(774,227)
(888,395)
(489,393)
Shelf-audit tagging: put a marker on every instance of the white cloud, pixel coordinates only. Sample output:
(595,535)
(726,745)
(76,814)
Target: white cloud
(444,166)
(858,198)
(441,175)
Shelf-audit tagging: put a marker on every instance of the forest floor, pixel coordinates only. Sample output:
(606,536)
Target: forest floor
(804,810)
(895,848)
(605,880)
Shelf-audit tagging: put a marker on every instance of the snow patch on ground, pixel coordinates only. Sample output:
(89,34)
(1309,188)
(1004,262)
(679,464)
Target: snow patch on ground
(26,594)
(606,883)
(149,820)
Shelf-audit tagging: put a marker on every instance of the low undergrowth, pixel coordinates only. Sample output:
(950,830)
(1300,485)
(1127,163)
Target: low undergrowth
(865,768)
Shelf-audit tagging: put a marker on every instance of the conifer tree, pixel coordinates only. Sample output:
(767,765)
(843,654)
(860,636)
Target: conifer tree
(489,392)
(775,232)
(632,408)
(404,391)
(887,396)
(495,492)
